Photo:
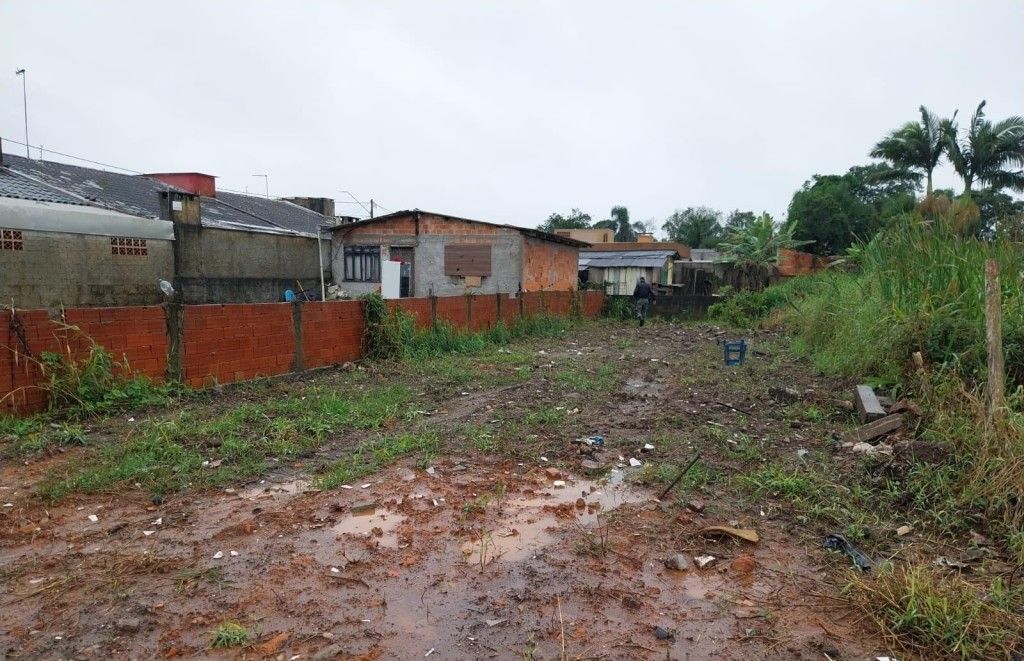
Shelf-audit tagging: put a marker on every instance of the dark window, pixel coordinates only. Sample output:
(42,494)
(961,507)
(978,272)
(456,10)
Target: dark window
(120,245)
(11,240)
(362,263)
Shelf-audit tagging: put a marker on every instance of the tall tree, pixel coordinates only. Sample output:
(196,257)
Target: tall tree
(915,147)
(625,231)
(696,227)
(987,153)
(739,221)
(833,211)
(575,220)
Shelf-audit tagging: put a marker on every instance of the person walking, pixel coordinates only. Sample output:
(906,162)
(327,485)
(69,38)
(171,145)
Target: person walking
(643,296)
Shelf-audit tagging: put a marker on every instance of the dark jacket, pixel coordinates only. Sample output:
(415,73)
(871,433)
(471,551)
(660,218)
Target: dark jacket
(643,290)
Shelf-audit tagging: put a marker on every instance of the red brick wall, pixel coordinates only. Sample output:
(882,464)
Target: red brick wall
(332,332)
(226,343)
(796,262)
(136,336)
(549,266)
(484,312)
(419,308)
(453,310)
(237,342)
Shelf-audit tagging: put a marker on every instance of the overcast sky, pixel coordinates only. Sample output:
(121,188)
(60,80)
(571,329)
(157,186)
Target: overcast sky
(502,111)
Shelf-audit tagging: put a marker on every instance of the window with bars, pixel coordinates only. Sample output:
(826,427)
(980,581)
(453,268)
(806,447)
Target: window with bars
(11,240)
(120,245)
(362,263)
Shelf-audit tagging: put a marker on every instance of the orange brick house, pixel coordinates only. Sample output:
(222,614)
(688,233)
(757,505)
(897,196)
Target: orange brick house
(442,255)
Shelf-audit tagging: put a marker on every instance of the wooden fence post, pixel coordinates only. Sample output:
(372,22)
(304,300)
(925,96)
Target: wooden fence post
(994,342)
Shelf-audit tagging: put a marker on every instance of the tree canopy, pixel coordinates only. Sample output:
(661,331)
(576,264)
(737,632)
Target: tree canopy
(625,230)
(834,211)
(574,220)
(696,227)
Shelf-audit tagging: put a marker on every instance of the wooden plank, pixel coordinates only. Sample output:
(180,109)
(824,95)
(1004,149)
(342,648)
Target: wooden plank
(994,342)
(868,406)
(873,430)
(462,259)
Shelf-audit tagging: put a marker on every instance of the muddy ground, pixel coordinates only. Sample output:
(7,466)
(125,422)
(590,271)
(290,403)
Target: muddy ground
(500,543)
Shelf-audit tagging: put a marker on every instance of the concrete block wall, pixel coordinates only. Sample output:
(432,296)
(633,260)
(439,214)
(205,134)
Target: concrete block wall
(207,344)
(55,269)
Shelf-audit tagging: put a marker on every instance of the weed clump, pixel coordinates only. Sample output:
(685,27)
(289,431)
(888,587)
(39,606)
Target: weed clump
(942,615)
(230,634)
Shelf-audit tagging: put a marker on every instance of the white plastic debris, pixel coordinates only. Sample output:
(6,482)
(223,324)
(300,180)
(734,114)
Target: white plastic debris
(365,486)
(801,453)
(634,462)
(703,561)
(218,555)
(559,484)
(648,447)
(8,504)
(147,533)
(94,518)
(335,570)
(431,470)
(543,458)
(346,486)
(234,554)
(159,522)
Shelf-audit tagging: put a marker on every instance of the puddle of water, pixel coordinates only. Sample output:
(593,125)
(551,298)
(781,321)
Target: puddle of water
(379,525)
(527,525)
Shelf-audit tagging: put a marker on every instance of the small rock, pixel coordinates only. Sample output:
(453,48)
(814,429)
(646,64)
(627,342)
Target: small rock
(696,505)
(662,633)
(328,653)
(431,471)
(558,484)
(677,562)
(129,624)
(553,473)
(581,504)
(903,531)
(635,463)
(801,453)
(94,518)
(647,447)
(218,555)
(234,554)
(590,465)
(784,395)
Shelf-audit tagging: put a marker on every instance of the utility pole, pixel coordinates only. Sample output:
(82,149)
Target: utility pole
(24,104)
(371,207)
(266,183)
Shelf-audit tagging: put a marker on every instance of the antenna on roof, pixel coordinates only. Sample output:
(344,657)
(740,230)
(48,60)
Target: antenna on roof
(266,183)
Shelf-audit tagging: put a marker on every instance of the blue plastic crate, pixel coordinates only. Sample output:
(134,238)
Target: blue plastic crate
(735,352)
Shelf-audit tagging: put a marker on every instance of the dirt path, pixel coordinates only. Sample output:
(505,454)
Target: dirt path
(486,554)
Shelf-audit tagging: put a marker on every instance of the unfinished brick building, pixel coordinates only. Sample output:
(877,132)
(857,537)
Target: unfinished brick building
(443,255)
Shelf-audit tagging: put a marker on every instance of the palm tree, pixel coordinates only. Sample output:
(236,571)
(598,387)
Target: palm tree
(755,248)
(915,147)
(625,231)
(988,153)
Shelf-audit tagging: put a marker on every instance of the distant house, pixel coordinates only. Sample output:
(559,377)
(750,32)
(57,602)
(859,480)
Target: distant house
(618,271)
(589,235)
(91,237)
(420,253)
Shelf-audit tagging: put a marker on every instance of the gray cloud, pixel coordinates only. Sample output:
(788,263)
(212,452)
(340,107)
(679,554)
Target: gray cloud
(502,111)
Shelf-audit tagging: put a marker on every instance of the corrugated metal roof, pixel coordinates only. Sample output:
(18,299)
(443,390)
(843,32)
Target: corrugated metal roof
(625,258)
(18,186)
(140,196)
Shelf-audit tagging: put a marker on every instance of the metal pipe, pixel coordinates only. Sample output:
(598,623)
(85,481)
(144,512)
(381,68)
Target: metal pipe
(24,103)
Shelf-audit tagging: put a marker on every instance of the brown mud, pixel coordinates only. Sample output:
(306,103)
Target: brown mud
(486,555)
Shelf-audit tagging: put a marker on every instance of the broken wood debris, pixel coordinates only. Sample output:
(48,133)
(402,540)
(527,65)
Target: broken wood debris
(876,429)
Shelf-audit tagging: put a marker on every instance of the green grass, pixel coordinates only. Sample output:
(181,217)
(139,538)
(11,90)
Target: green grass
(191,451)
(581,379)
(938,615)
(544,416)
(230,634)
(374,455)
(701,474)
